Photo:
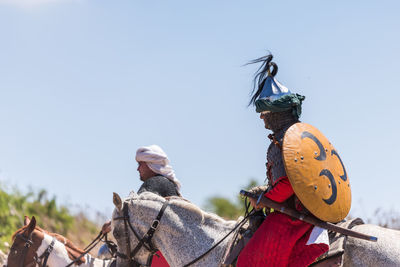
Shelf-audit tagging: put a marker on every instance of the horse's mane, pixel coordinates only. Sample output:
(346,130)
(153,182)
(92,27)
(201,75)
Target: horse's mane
(23,228)
(18,231)
(179,203)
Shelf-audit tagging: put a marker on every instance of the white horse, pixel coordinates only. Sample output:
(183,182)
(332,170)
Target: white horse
(30,242)
(186,232)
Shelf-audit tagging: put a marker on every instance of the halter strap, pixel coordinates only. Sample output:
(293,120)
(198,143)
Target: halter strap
(27,245)
(145,241)
(45,255)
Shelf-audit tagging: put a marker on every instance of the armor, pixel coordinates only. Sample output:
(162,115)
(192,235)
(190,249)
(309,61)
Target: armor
(159,185)
(278,122)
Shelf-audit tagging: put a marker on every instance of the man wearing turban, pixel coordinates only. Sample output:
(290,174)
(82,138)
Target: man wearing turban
(155,172)
(158,177)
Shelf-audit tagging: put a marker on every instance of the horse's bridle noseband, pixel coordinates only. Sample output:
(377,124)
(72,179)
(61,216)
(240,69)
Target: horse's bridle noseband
(145,241)
(42,259)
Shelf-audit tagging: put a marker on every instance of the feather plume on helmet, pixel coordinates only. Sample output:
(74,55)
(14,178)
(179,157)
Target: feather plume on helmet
(269,94)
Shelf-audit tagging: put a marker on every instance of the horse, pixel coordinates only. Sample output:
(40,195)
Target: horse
(184,232)
(32,246)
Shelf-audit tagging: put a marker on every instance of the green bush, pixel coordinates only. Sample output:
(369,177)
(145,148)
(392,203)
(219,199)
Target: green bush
(50,216)
(227,208)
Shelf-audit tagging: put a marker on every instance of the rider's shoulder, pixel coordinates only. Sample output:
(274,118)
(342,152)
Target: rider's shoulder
(157,179)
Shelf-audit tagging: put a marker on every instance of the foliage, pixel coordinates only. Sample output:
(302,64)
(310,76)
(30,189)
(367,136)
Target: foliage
(388,219)
(227,208)
(50,216)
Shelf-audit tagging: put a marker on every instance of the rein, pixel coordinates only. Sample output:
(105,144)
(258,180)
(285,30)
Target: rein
(240,224)
(88,248)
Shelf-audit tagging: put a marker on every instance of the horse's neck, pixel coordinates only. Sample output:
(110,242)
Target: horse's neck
(59,255)
(385,252)
(181,239)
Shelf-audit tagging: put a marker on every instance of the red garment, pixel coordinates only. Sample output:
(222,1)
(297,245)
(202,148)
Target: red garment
(159,261)
(281,191)
(281,240)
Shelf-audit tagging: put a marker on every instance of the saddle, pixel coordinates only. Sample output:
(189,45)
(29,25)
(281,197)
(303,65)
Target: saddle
(337,242)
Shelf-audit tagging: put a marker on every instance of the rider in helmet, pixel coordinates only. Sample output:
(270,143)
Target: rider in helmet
(281,240)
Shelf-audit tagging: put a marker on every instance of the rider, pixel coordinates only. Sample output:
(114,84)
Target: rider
(281,240)
(158,177)
(156,173)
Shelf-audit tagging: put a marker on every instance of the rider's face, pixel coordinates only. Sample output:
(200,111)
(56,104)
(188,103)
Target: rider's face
(265,116)
(144,171)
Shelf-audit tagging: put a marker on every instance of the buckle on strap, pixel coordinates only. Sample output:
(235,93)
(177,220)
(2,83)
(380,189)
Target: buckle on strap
(155,224)
(28,243)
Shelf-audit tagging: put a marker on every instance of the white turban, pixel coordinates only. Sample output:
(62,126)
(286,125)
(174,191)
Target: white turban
(157,161)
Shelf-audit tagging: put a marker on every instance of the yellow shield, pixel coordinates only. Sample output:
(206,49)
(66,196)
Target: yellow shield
(316,173)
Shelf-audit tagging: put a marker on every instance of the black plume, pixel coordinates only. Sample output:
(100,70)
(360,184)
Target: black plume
(261,74)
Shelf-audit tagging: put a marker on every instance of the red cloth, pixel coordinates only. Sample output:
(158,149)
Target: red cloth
(281,191)
(280,240)
(159,261)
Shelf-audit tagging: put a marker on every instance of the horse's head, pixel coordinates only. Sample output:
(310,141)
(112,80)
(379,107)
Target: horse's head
(134,248)
(33,246)
(26,242)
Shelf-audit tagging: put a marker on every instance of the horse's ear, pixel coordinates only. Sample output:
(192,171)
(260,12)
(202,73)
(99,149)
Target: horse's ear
(31,225)
(26,220)
(117,201)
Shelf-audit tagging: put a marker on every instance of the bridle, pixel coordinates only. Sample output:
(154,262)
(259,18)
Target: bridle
(40,260)
(145,241)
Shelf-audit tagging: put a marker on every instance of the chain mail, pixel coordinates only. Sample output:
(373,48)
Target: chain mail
(159,185)
(278,122)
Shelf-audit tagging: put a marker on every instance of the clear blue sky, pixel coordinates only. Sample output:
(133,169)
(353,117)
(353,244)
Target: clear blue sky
(84,83)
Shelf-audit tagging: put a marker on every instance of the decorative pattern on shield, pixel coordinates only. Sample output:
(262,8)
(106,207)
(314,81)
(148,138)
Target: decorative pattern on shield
(316,172)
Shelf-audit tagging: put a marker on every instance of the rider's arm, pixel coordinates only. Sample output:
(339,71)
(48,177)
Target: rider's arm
(281,191)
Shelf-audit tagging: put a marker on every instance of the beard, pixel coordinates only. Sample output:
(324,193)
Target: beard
(276,121)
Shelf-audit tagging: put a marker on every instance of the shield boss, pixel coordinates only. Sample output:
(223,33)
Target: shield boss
(316,172)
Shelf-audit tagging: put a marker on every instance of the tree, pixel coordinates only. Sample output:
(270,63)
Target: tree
(228,208)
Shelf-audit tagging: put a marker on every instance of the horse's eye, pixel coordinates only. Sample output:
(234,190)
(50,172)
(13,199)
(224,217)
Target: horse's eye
(116,233)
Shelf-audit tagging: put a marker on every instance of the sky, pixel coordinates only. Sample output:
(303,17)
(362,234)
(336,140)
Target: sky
(84,83)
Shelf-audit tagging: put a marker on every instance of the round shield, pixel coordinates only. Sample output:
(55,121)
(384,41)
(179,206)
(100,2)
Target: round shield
(316,173)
